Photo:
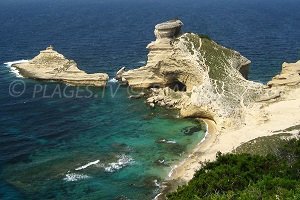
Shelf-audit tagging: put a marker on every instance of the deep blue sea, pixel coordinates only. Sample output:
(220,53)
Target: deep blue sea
(67,142)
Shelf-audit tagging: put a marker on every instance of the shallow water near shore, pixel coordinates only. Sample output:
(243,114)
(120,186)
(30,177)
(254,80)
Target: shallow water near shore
(100,144)
(81,148)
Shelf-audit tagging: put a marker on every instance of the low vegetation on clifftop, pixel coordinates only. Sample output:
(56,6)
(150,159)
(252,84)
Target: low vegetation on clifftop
(248,176)
(210,80)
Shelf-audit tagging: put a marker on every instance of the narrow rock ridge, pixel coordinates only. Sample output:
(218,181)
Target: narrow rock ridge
(51,65)
(198,76)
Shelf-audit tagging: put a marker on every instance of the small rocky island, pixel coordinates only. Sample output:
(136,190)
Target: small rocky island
(193,73)
(51,65)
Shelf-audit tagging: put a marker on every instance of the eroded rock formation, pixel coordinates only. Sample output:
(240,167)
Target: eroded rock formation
(168,29)
(289,76)
(196,75)
(50,65)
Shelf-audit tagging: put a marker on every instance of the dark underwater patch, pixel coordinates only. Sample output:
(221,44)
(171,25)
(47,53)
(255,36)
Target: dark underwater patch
(190,130)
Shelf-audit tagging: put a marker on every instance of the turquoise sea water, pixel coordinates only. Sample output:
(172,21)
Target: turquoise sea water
(131,146)
(121,148)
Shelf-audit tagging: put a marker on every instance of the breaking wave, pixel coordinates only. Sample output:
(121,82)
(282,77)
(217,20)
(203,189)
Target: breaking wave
(13,69)
(142,62)
(167,141)
(123,161)
(72,177)
(87,165)
(113,80)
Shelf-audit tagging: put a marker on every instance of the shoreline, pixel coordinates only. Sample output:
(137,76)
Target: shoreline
(178,169)
(178,172)
(262,119)
(208,124)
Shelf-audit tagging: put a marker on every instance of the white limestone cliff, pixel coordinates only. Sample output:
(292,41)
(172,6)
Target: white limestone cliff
(196,75)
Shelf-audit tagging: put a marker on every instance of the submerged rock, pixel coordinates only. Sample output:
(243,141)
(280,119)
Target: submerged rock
(191,130)
(196,75)
(161,162)
(50,65)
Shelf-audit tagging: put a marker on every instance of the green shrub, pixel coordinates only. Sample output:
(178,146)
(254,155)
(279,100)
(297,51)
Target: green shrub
(245,176)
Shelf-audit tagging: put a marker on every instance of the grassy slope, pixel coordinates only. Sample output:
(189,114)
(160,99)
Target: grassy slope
(264,168)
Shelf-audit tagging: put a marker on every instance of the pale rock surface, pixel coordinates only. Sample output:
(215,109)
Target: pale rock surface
(168,29)
(289,76)
(50,65)
(203,78)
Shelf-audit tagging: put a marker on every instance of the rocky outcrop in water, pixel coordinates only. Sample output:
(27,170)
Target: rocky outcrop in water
(50,65)
(289,76)
(193,73)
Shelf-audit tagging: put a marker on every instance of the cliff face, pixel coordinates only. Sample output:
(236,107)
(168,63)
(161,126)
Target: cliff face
(50,65)
(196,75)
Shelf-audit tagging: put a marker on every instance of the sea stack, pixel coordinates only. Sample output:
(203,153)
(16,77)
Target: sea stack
(196,75)
(51,65)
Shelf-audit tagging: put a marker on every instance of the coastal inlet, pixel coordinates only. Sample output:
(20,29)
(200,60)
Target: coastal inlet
(91,153)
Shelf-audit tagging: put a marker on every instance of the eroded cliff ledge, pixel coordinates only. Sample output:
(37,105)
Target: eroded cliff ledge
(50,65)
(289,76)
(193,73)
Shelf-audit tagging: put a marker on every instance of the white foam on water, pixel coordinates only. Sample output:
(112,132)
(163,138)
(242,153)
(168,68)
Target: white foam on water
(72,177)
(113,80)
(156,197)
(156,183)
(174,167)
(9,64)
(13,69)
(87,165)
(123,161)
(172,170)
(171,141)
(206,133)
(142,62)
(167,141)
(161,161)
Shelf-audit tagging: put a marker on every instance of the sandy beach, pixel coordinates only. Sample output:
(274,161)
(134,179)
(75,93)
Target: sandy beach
(263,119)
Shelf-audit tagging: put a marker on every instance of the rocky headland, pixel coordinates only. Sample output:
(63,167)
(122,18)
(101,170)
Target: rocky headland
(196,75)
(270,116)
(51,65)
(203,79)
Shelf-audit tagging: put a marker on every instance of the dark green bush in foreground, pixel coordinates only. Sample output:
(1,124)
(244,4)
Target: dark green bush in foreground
(245,176)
